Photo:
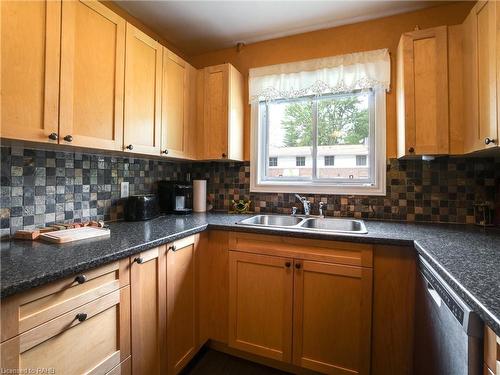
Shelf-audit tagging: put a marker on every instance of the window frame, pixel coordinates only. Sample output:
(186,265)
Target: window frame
(259,182)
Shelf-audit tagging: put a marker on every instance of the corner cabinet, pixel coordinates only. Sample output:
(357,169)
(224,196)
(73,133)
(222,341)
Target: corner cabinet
(142,104)
(317,314)
(30,39)
(164,317)
(221,105)
(422,93)
(481,76)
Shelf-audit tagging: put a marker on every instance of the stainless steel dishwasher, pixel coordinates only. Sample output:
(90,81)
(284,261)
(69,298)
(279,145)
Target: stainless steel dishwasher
(448,334)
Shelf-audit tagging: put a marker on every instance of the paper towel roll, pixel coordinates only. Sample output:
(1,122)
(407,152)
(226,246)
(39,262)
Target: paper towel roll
(199,195)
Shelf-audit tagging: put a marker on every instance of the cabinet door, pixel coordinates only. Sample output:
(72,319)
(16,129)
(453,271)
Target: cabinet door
(480,77)
(174,95)
(332,317)
(423,70)
(182,330)
(143,72)
(147,282)
(93,338)
(486,73)
(92,70)
(216,80)
(30,40)
(260,304)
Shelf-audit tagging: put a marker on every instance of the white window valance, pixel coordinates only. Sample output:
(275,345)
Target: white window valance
(335,74)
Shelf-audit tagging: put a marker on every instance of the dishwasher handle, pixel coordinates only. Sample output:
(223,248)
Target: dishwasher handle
(432,292)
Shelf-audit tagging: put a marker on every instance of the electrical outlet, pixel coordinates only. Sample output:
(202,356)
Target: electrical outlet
(124,189)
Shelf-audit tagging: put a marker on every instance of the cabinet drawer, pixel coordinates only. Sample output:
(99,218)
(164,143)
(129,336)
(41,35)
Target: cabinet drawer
(348,253)
(25,311)
(93,344)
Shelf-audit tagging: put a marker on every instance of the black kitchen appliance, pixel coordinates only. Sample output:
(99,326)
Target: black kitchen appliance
(175,197)
(141,207)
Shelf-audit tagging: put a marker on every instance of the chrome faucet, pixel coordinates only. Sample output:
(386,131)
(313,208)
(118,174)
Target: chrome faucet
(322,210)
(306,203)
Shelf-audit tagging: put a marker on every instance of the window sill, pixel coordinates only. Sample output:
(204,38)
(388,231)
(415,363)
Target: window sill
(305,188)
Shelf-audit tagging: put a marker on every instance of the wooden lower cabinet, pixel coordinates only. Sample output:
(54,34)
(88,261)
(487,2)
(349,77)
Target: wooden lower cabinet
(322,310)
(491,352)
(332,317)
(93,338)
(182,327)
(260,304)
(148,311)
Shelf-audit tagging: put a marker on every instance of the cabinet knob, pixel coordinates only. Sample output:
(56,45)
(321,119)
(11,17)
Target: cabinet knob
(129,147)
(288,264)
(411,150)
(68,138)
(173,248)
(53,136)
(224,155)
(165,152)
(489,140)
(298,266)
(139,260)
(81,317)
(80,279)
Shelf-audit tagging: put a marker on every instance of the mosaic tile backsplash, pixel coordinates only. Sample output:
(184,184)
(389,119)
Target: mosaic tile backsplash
(443,190)
(42,187)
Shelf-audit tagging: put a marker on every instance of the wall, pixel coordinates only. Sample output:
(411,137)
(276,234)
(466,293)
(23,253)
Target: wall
(40,187)
(363,36)
(443,190)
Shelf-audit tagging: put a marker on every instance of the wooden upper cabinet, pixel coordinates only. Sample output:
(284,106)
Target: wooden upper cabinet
(480,77)
(147,283)
(222,107)
(332,317)
(260,304)
(143,77)
(30,52)
(422,92)
(178,107)
(182,322)
(92,73)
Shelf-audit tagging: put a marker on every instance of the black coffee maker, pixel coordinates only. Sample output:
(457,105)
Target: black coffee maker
(175,197)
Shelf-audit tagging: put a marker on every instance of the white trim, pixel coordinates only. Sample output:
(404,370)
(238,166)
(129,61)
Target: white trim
(309,187)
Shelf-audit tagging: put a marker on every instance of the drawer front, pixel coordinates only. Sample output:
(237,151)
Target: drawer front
(25,311)
(94,344)
(348,253)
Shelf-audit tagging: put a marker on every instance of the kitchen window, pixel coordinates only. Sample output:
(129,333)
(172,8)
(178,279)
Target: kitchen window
(329,136)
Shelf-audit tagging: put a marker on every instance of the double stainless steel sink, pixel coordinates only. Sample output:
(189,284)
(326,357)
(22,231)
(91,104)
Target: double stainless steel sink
(307,223)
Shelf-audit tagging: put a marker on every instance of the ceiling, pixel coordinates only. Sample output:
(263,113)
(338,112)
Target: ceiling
(196,27)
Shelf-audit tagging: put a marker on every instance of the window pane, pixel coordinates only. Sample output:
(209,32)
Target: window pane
(290,138)
(273,161)
(343,136)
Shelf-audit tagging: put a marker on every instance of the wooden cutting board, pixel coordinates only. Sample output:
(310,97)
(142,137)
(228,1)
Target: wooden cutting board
(75,234)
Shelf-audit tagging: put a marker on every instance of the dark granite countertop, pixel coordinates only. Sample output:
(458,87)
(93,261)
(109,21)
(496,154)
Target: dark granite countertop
(467,257)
